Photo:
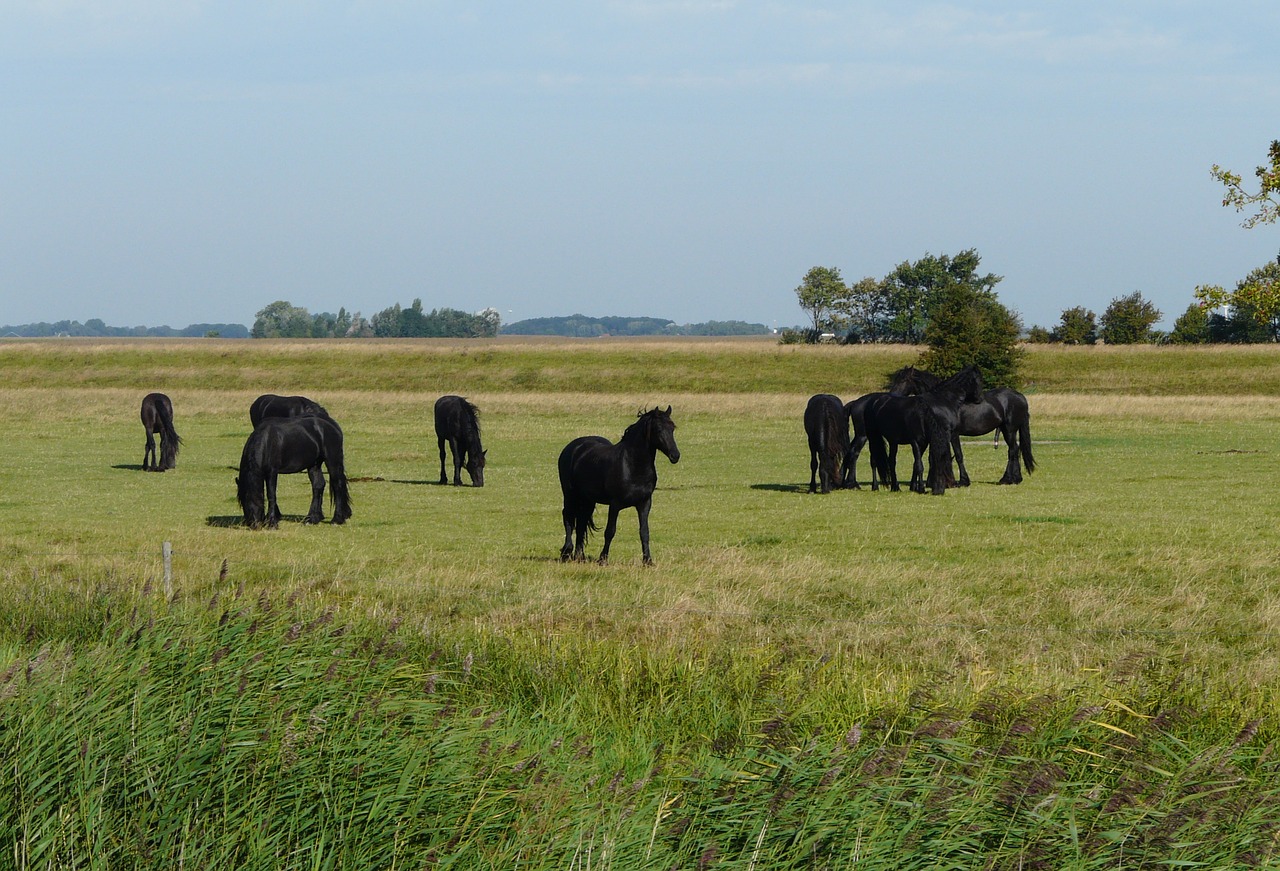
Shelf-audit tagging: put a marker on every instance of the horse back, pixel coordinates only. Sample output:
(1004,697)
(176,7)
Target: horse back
(592,468)
(288,445)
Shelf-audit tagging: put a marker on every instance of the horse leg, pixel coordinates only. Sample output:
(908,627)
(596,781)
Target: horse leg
(959,456)
(1012,468)
(643,510)
(149,451)
(813,471)
(570,519)
(273,507)
(917,468)
(851,466)
(315,514)
(444,479)
(892,467)
(458,456)
(609,529)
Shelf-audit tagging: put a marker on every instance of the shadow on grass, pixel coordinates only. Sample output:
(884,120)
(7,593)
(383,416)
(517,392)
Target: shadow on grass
(232,521)
(782,488)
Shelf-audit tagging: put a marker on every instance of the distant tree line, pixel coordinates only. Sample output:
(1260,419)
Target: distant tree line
(94,327)
(582,326)
(1249,314)
(941,301)
(283,320)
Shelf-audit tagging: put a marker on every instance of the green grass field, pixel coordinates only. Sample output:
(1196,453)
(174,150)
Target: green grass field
(1078,670)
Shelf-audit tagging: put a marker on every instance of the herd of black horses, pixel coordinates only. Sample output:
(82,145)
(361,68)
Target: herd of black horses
(295,434)
(921,410)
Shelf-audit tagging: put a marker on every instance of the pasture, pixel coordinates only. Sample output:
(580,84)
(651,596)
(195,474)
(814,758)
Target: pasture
(1131,577)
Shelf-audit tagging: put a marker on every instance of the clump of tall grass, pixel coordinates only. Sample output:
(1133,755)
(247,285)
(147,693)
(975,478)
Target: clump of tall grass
(256,735)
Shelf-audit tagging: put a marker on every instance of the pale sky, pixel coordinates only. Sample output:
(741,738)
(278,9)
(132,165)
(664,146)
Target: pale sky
(183,161)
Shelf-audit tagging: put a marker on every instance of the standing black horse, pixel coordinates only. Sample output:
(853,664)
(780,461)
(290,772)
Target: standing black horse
(855,410)
(283,446)
(594,471)
(157,417)
(827,426)
(1001,410)
(269,405)
(925,420)
(458,423)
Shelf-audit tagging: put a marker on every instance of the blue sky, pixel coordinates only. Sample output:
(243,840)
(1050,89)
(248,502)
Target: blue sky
(183,161)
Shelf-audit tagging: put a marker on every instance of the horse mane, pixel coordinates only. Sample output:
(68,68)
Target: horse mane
(642,420)
(472,414)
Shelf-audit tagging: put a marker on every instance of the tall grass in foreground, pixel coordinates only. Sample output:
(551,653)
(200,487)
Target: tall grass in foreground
(252,735)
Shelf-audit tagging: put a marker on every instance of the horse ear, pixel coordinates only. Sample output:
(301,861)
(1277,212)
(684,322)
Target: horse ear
(668,410)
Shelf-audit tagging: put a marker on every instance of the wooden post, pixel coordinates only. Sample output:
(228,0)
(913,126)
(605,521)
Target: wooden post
(167,549)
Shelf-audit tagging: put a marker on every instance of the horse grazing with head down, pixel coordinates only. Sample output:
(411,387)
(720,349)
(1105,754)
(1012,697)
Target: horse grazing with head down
(827,426)
(458,424)
(283,446)
(157,417)
(269,405)
(1002,410)
(595,471)
(923,421)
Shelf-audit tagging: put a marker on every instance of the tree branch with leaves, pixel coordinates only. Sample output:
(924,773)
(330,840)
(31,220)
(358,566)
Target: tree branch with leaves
(1266,198)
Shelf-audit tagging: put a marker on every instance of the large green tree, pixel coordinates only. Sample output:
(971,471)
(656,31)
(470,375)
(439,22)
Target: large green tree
(1256,295)
(822,294)
(282,320)
(1078,326)
(1266,198)
(913,289)
(1128,320)
(969,326)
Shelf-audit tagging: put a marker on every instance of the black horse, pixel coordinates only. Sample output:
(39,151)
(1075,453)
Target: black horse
(925,420)
(594,471)
(1002,410)
(269,405)
(458,423)
(157,417)
(827,427)
(283,446)
(855,411)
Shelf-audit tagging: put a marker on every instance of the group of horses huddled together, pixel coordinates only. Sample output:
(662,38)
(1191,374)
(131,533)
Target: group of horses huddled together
(295,434)
(921,410)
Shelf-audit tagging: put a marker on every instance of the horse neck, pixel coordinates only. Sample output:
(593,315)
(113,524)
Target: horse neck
(635,440)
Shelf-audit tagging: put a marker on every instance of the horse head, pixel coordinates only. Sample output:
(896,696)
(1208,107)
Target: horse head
(909,380)
(661,432)
(475,467)
(249,495)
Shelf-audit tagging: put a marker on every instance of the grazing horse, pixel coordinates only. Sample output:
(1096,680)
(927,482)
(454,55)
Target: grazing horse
(926,419)
(595,471)
(458,423)
(157,417)
(269,405)
(283,446)
(827,427)
(1001,410)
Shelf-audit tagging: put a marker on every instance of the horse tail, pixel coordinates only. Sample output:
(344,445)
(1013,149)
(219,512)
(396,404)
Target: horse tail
(339,493)
(170,441)
(837,441)
(941,473)
(1024,442)
(879,458)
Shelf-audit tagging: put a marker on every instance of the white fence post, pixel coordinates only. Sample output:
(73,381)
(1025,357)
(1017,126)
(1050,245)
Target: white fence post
(167,550)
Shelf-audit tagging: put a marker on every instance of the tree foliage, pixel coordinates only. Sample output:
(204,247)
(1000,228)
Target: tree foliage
(1077,326)
(1128,320)
(1257,296)
(967,325)
(1191,327)
(822,294)
(1266,198)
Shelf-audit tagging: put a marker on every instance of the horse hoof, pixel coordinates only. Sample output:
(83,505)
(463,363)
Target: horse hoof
(647,563)
(603,561)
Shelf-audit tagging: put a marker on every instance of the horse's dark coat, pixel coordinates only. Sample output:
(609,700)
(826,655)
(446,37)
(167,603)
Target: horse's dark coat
(283,446)
(1001,410)
(157,417)
(926,419)
(594,471)
(458,424)
(827,427)
(269,405)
